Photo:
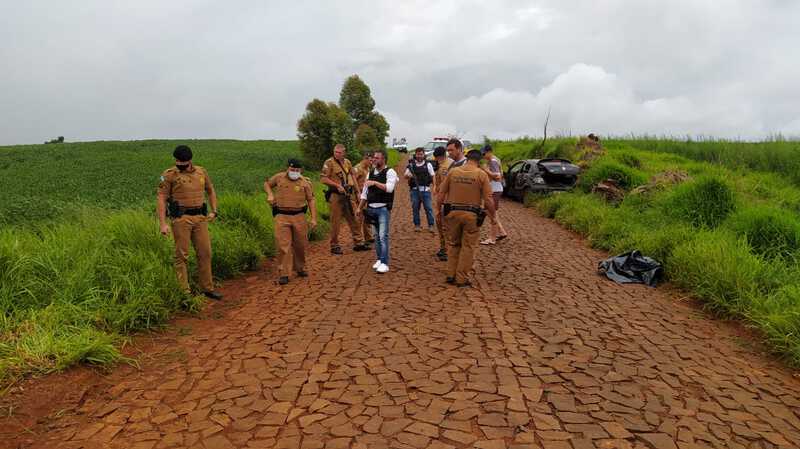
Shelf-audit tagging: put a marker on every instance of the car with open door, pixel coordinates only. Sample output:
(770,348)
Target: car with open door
(539,176)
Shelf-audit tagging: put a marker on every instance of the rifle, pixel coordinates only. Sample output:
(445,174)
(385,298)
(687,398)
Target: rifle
(349,190)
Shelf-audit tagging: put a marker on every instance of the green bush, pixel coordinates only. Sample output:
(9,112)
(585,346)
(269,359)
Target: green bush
(718,266)
(770,231)
(582,213)
(628,158)
(778,316)
(703,202)
(605,168)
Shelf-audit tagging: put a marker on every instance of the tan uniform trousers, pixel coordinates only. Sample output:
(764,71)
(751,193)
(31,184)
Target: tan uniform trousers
(463,235)
(366,228)
(194,229)
(338,213)
(291,237)
(441,226)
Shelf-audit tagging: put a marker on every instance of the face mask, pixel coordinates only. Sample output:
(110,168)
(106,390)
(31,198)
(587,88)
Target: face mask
(182,167)
(294,175)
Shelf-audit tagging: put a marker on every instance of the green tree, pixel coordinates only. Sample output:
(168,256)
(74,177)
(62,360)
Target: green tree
(322,126)
(356,98)
(366,138)
(378,122)
(342,130)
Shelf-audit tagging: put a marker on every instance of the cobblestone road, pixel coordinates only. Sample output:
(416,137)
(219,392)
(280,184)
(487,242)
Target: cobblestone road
(542,353)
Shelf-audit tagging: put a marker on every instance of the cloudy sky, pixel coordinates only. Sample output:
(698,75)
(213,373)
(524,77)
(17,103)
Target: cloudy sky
(108,69)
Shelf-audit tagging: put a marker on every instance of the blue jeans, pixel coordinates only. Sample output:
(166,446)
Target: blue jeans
(418,197)
(381,233)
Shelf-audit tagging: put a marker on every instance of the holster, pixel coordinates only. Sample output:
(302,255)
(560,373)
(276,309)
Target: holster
(480,214)
(173,209)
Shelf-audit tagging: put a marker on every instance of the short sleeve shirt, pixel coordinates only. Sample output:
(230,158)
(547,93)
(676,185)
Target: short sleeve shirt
(291,194)
(187,188)
(468,186)
(441,171)
(343,172)
(495,167)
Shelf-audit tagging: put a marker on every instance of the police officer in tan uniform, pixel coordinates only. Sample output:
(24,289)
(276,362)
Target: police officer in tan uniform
(464,190)
(442,166)
(182,192)
(342,195)
(362,173)
(290,194)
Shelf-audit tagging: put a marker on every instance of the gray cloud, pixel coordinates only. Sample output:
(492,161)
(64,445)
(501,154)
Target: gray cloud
(127,70)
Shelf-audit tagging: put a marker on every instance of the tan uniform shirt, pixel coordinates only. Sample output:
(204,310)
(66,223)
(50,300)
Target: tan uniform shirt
(187,188)
(290,194)
(340,173)
(362,172)
(441,171)
(467,186)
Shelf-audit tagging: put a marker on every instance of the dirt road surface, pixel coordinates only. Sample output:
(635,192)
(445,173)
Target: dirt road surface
(541,353)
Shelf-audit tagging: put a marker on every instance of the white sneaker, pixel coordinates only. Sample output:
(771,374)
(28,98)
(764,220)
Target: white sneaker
(376,265)
(383,268)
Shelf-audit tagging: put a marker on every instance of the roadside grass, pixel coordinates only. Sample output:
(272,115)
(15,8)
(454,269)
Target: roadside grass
(729,235)
(76,280)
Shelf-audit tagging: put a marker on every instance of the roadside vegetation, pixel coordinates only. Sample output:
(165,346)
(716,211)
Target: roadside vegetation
(721,216)
(82,264)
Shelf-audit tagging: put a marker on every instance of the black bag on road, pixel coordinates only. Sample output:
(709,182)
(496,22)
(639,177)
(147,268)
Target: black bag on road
(632,267)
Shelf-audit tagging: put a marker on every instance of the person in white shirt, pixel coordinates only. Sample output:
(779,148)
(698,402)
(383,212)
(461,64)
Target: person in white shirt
(495,171)
(377,198)
(420,175)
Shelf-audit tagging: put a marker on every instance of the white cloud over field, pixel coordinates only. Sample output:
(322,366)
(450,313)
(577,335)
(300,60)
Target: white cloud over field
(127,70)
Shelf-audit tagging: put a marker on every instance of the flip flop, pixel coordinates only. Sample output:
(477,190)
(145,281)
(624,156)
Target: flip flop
(487,242)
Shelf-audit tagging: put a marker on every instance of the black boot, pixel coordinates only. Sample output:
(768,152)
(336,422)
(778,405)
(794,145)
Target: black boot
(302,273)
(283,280)
(450,280)
(442,255)
(336,250)
(361,247)
(213,295)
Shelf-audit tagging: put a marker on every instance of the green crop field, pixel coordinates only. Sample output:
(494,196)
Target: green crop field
(730,234)
(81,262)
(41,182)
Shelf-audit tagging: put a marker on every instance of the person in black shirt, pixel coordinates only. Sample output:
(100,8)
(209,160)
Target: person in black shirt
(420,175)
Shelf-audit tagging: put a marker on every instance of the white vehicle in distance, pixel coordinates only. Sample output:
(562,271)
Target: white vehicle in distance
(441,142)
(433,144)
(400,145)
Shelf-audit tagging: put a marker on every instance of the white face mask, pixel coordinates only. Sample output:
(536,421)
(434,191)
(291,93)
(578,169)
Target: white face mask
(294,175)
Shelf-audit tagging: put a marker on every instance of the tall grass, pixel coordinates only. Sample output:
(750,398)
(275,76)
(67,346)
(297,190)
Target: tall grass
(730,235)
(69,291)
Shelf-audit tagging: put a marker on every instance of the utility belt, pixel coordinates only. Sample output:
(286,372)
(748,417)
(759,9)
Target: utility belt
(278,211)
(479,212)
(175,210)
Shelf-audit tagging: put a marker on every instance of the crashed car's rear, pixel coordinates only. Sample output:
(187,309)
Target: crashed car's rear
(540,176)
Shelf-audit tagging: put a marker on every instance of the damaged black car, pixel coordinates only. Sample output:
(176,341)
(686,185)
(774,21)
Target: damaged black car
(539,176)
